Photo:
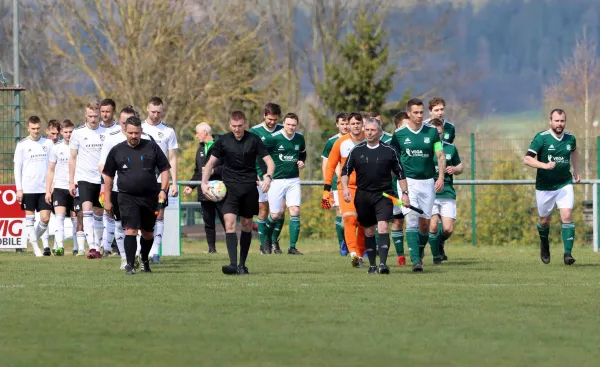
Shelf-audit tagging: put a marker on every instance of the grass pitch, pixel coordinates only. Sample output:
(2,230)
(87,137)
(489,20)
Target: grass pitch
(485,307)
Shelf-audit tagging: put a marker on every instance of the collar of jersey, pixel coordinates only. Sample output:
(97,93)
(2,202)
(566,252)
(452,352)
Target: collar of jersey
(418,131)
(370,147)
(561,136)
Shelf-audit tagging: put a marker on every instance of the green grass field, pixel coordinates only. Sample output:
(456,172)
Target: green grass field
(486,307)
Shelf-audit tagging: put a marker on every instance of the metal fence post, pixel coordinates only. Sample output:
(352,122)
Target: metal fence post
(473,200)
(595,197)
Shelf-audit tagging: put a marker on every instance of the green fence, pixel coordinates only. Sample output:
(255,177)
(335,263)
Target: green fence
(487,215)
(11,129)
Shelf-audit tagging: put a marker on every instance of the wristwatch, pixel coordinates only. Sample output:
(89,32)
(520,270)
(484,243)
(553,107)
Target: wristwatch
(269,177)
(166,191)
(405,192)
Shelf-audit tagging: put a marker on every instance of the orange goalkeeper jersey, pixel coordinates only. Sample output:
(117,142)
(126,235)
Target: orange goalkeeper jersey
(338,155)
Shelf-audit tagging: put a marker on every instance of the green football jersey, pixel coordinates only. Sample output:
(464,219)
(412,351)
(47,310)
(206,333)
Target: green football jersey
(263,133)
(548,148)
(416,149)
(325,154)
(452,159)
(285,153)
(386,137)
(449,131)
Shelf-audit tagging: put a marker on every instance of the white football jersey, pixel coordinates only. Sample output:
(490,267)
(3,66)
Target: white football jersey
(116,137)
(163,135)
(31,165)
(60,154)
(88,143)
(114,127)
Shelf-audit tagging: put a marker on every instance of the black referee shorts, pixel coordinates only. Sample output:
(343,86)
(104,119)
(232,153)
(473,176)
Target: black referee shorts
(37,202)
(89,192)
(241,200)
(372,207)
(62,197)
(114,199)
(137,212)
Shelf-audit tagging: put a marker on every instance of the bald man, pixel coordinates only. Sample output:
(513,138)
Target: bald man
(209,208)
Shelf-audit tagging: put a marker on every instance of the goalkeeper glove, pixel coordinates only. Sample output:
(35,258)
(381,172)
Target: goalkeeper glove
(327,199)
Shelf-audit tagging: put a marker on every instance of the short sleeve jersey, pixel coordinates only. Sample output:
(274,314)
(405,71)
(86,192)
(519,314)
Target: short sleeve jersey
(262,132)
(325,154)
(114,138)
(59,154)
(239,157)
(416,150)
(112,128)
(31,156)
(452,159)
(548,148)
(88,143)
(386,137)
(285,153)
(449,131)
(163,135)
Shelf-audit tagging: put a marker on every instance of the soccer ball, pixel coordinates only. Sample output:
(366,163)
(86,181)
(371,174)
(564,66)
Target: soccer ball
(217,189)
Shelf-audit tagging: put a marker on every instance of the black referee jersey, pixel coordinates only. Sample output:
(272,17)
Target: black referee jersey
(373,166)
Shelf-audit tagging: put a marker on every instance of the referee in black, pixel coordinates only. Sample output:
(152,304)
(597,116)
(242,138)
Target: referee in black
(238,151)
(136,161)
(374,162)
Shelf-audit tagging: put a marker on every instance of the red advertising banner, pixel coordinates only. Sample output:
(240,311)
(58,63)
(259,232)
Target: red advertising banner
(11,218)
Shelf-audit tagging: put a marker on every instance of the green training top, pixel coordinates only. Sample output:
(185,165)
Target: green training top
(452,159)
(285,153)
(549,148)
(262,133)
(416,149)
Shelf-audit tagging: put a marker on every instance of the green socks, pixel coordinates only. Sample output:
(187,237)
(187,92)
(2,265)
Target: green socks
(544,232)
(434,243)
(398,239)
(568,236)
(423,238)
(294,230)
(277,229)
(412,240)
(261,231)
(339,229)
(269,227)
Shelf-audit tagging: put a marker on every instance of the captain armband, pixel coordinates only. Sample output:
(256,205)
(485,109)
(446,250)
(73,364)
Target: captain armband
(437,146)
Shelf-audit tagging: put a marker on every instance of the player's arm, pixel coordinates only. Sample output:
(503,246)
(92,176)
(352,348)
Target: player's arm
(173,171)
(50,180)
(108,173)
(302,155)
(531,160)
(455,166)
(345,177)
(72,167)
(439,152)
(18,171)
(164,165)
(197,176)
(575,163)
(332,162)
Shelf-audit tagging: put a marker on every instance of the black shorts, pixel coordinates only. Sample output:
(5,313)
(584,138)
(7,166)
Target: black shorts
(372,207)
(62,197)
(114,199)
(89,192)
(241,200)
(399,216)
(35,202)
(137,212)
(77,204)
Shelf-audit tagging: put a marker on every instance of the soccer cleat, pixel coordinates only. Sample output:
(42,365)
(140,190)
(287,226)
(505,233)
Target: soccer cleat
(569,260)
(80,253)
(277,249)
(98,255)
(123,264)
(212,250)
(137,262)
(355,261)
(75,252)
(268,247)
(107,253)
(47,251)
(421,252)
(262,250)
(230,269)
(545,252)
(294,251)
(53,251)
(372,269)
(129,270)
(156,259)
(383,269)
(437,261)
(361,262)
(60,251)
(146,267)
(343,249)
(417,267)
(115,253)
(91,254)
(242,270)
(444,257)
(401,260)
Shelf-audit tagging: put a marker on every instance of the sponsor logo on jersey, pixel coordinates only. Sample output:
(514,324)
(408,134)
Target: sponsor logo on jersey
(281,147)
(297,147)
(555,159)
(44,148)
(124,166)
(160,135)
(568,146)
(427,140)
(446,136)
(448,157)
(551,147)
(287,158)
(102,137)
(407,141)
(262,138)
(416,153)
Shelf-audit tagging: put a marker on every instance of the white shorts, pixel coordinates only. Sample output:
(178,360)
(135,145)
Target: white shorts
(288,188)
(444,207)
(563,198)
(336,198)
(421,194)
(263,197)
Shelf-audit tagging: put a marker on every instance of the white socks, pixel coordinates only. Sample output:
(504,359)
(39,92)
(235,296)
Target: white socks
(45,238)
(98,230)
(109,232)
(158,233)
(59,235)
(80,244)
(88,228)
(120,238)
(29,231)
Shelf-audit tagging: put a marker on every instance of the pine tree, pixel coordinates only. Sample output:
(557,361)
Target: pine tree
(362,76)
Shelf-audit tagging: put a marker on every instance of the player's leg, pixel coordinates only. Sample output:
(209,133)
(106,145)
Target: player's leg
(366,215)
(119,230)
(59,234)
(263,213)
(275,197)
(384,214)
(146,208)
(398,235)
(352,230)
(426,198)
(28,204)
(98,211)
(448,217)
(279,225)
(109,233)
(565,201)
(339,225)
(545,204)
(412,226)
(434,228)
(42,225)
(231,207)
(208,215)
(86,194)
(293,199)
(131,220)
(158,232)
(248,209)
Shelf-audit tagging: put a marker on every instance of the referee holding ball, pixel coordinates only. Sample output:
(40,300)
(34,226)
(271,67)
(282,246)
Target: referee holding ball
(238,151)
(136,161)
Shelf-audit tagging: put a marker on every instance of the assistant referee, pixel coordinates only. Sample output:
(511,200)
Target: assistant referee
(238,151)
(374,162)
(136,161)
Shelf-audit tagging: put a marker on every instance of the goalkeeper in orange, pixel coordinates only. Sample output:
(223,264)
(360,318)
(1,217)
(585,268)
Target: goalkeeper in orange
(353,233)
